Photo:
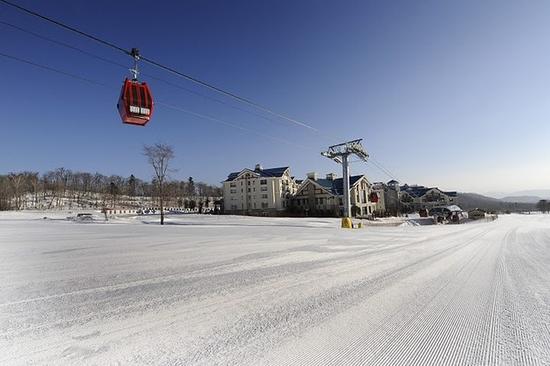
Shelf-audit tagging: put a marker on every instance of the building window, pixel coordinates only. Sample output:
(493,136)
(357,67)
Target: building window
(232,184)
(263,181)
(263,189)
(264,195)
(264,205)
(233,191)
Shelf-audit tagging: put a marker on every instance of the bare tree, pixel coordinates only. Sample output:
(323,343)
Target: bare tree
(159,156)
(17,180)
(543,206)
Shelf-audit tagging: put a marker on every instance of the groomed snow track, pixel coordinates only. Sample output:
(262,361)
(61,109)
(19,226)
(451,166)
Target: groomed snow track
(251,291)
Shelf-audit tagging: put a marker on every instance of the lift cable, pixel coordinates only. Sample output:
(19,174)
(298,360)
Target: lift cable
(373,162)
(106,60)
(180,109)
(74,76)
(167,68)
(160,65)
(67,27)
(161,103)
(204,116)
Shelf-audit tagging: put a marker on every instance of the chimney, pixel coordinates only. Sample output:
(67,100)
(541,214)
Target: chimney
(331,176)
(258,167)
(312,176)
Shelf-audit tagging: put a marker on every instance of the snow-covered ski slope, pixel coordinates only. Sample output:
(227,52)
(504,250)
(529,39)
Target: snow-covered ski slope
(260,291)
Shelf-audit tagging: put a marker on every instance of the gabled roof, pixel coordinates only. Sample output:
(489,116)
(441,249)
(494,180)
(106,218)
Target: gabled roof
(264,173)
(335,186)
(338,185)
(419,191)
(415,191)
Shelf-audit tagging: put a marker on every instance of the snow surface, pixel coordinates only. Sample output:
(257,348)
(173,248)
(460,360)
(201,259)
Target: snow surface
(223,290)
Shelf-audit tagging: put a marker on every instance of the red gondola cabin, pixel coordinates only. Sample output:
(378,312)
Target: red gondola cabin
(136,103)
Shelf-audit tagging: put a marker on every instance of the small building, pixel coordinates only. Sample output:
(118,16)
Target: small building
(415,197)
(476,214)
(451,213)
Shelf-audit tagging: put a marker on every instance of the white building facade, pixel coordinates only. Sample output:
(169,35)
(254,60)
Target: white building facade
(258,191)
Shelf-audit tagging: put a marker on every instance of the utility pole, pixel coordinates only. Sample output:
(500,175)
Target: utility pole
(340,153)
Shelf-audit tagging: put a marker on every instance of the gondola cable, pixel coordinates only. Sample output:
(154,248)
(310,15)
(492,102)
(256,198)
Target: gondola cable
(150,76)
(161,103)
(164,67)
(160,65)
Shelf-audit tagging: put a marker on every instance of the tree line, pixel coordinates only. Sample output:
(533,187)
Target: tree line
(65,188)
(543,206)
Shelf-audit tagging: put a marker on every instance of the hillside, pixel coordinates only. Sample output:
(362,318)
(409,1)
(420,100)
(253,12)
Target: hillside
(522,199)
(473,200)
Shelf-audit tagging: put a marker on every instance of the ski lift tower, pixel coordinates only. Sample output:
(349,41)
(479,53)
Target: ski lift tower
(340,153)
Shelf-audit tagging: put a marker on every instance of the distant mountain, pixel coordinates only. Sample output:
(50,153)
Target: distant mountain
(522,199)
(542,193)
(468,201)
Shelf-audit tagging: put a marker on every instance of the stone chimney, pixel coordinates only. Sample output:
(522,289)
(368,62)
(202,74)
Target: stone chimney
(331,176)
(258,167)
(312,176)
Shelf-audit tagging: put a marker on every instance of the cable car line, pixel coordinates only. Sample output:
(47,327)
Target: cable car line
(229,94)
(381,166)
(382,169)
(176,108)
(67,27)
(80,50)
(376,165)
(160,103)
(161,66)
(63,44)
(90,81)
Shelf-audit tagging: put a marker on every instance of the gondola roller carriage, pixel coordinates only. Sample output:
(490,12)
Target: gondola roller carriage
(135,104)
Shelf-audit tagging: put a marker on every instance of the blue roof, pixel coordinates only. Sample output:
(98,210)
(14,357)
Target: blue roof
(264,173)
(419,191)
(415,191)
(336,186)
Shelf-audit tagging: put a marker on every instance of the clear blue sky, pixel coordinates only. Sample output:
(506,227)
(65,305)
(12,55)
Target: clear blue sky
(449,94)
